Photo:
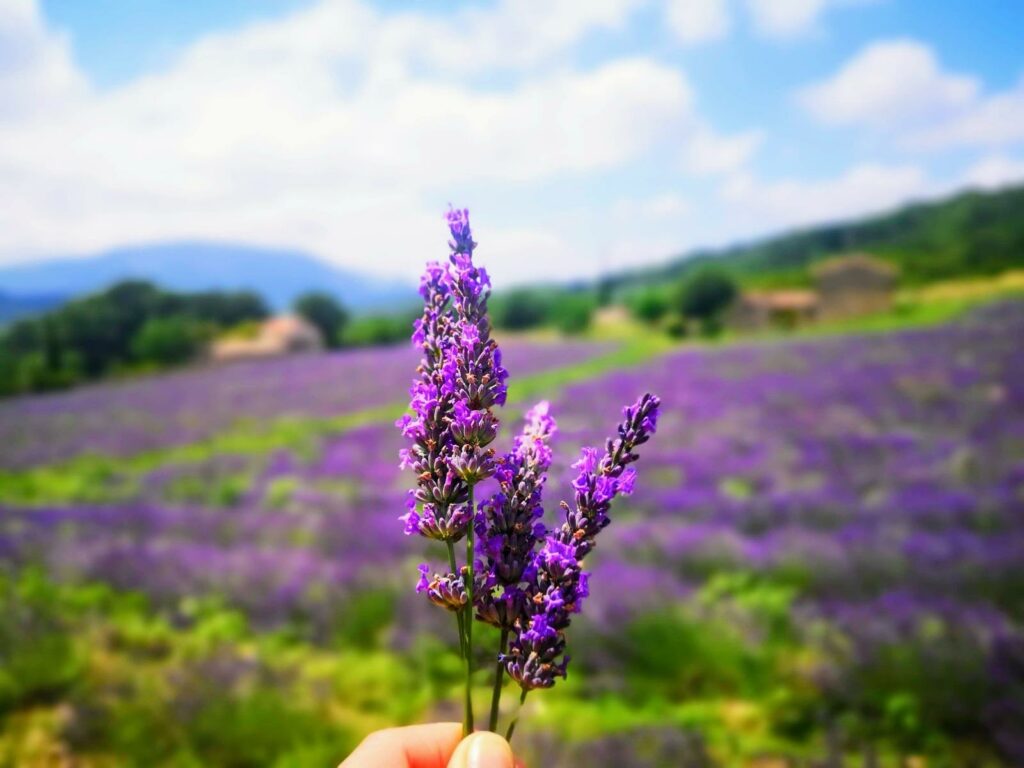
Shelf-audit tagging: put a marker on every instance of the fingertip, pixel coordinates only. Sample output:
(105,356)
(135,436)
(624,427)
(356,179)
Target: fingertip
(415,746)
(483,750)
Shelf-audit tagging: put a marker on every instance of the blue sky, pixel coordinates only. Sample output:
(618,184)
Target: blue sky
(585,136)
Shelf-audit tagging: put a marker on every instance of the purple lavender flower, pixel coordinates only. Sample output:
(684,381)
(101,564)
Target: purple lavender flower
(447,590)
(460,379)
(556,582)
(509,524)
(530,594)
(601,480)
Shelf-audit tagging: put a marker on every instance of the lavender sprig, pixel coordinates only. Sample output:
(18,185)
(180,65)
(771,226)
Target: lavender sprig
(556,581)
(509,523)
(452,423)
(528,582)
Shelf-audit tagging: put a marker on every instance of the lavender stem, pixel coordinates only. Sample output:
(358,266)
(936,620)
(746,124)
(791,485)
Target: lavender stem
(499,675)
(458,614)
(468,620)
(512,725)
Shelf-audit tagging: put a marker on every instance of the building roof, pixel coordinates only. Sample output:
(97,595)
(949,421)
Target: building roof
(276,335)
(790,299)
(287,326)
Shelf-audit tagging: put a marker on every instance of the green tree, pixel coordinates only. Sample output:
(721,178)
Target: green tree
(520,309)
(375,330)
(572,313)
(168,341)
(706,294)
(224,309)
(326,313)
(650,305)
(130,322)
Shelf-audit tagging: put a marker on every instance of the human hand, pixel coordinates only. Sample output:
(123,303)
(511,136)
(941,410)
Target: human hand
(432,746)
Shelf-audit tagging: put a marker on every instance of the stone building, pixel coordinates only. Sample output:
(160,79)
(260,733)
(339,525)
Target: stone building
(847,286)
(280,335)
(758,310)
(854,285)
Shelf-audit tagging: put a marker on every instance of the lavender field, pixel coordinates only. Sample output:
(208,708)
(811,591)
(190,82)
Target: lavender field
(825,561)
(178,408)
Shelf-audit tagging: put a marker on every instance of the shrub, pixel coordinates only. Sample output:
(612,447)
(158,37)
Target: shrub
(706,293)
(572,313)
(375,330)
(650,305)
(167,341)
(326,313)
(39,658)
(520,310)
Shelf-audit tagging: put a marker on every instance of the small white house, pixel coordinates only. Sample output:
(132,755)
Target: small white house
(280,335)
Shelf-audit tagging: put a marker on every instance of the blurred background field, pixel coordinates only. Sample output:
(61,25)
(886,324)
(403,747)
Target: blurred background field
(800,224)
(823,563)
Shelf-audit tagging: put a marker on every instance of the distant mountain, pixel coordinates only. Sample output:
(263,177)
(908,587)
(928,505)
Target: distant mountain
(972,233)
(276,274)
(13,307)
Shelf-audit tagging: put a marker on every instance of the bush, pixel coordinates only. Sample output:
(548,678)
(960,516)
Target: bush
(706,294)
(326,313)
(650,306)
(676,327)
(39,658)
(365,618)
(520,310)
(167,341)
(377,329)
(572,313)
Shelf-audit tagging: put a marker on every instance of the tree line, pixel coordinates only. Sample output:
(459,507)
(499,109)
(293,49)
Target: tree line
(130,326)
(135,326)
(969,234)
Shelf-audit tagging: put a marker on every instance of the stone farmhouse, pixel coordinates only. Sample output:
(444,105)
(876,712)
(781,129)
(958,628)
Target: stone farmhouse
(854,285)
(754,310)
(280,335)
(847,286)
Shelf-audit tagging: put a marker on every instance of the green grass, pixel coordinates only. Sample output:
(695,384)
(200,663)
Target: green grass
(905,315)
(635,351)
(916,309)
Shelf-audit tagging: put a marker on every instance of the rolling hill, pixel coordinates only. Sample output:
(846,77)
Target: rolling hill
(276,274)
(971,233)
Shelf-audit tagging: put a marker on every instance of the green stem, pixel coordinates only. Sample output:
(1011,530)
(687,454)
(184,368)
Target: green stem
(468,620)
(515,720)
(499,675)
(458,614)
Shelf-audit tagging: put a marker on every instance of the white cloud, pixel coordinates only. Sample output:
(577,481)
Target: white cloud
(708,153)
(996,120)
(887,84)
(869,188)
(321,131)
(698,21)
(667,206)
(792,18)
(37,75)
(994,171)
(898,87)
(344,130)
(516,33)
(785,18)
